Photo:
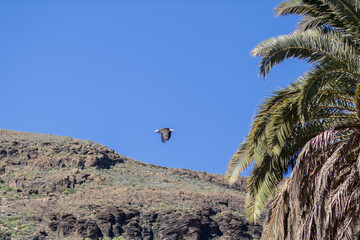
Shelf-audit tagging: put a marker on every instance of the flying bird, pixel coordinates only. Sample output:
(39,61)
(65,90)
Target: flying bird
(165,133)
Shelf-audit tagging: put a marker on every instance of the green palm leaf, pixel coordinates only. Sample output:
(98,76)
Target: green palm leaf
(311,126)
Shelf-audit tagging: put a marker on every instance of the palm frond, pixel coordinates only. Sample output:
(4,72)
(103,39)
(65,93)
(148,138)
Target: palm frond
(311,46)
(311,127)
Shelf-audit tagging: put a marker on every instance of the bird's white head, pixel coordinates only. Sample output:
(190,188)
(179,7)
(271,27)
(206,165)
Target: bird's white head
(171,130)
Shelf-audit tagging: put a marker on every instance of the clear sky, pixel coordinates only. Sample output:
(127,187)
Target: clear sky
(114,71)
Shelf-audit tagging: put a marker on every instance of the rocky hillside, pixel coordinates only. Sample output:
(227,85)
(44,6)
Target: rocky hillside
(56,187)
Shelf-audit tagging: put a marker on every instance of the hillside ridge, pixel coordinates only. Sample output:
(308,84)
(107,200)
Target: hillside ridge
(56,187)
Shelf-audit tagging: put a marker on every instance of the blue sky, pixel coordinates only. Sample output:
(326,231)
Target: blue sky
(115,71)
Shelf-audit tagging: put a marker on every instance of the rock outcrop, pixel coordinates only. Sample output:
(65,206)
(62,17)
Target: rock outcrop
(171,225)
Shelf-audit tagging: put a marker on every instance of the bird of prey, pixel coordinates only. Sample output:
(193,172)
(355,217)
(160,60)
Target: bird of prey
(165,133)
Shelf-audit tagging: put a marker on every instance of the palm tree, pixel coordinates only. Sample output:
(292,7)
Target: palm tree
(311,127)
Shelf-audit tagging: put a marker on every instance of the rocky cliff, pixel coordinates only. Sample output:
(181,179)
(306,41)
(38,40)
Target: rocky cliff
(56,187)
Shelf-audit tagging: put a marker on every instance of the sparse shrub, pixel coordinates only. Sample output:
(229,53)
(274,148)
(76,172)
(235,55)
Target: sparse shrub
(12,219)
(9,231)
(16,226)
(69,191)
(117,238)
(16,195)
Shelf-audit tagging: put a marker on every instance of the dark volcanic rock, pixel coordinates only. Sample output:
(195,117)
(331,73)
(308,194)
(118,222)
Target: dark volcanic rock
(88,229)
(67,224)
(133,230)
(178,226)
(236,227)
(147,232)
(5,236)
(3,153)
(114,222)
(41,235)
(106,220)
